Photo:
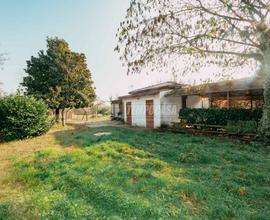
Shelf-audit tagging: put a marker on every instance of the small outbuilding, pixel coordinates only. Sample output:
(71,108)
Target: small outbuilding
(150,107)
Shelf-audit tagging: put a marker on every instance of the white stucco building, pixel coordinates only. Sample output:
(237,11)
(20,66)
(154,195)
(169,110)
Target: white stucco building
(150,107)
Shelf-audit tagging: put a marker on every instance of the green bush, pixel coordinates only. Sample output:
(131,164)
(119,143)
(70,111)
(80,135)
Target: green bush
(213,116)
(22,117)
(242,127)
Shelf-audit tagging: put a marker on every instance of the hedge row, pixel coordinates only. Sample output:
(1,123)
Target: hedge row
(213,116)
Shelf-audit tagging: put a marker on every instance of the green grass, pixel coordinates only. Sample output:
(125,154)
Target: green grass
(140,175)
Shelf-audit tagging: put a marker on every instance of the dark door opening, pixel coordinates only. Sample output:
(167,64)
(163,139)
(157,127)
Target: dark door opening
(129,113)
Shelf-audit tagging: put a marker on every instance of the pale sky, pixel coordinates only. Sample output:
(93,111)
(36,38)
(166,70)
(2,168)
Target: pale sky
(89,26)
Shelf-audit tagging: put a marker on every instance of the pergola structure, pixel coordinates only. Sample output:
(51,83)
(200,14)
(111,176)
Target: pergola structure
(240,93)
(237,99)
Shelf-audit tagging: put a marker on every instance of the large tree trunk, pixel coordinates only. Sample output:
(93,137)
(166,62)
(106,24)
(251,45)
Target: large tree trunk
(265,121)
(63,119)
(67,116)
(57,115)
(264,128)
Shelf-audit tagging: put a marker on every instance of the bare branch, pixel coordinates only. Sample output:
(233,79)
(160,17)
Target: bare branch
(223,16)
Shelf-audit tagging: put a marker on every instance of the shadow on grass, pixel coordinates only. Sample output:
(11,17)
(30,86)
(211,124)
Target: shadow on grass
(233,175)
(165,146)
(149,175)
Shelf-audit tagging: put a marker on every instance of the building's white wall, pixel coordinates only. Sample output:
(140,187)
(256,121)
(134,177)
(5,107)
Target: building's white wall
(170,107)
(196,101)
(166,109)
(139,110)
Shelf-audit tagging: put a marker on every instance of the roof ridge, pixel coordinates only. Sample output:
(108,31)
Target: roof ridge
(156,86)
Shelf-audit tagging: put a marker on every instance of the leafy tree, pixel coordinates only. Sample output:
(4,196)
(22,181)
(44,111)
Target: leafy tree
(60,77)
(228,33)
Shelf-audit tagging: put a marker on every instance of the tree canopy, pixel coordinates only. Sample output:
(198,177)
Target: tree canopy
(60,77)
(228,33)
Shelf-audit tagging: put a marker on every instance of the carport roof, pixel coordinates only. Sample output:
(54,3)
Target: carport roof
(244,84)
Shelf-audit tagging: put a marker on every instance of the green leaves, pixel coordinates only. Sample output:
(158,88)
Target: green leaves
(59,77)
(22,117)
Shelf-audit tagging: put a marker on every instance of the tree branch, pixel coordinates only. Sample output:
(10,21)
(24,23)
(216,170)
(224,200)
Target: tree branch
(222,16)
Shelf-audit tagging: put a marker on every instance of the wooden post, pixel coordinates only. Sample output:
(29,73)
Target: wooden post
(228,100)
(210,100)
(202,99)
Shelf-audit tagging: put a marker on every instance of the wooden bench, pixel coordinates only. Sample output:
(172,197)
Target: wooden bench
(208,126)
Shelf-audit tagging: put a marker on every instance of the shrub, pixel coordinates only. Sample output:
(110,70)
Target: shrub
(214,116)
(22,117)
(242,127)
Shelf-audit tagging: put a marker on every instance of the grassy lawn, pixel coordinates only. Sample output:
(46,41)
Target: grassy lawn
(129,174)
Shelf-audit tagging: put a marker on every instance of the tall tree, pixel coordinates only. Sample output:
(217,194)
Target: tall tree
(228,33)
(60,77)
